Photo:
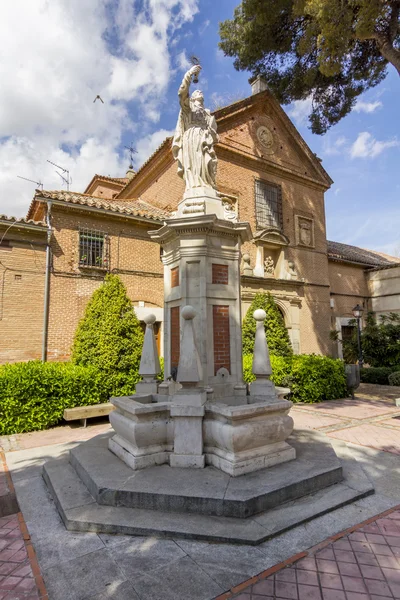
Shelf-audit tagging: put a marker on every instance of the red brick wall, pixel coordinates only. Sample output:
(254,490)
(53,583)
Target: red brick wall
(175,336)
(222,354)
(220,274)
(175,277)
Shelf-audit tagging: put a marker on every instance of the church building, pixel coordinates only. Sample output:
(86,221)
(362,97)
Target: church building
(267,176)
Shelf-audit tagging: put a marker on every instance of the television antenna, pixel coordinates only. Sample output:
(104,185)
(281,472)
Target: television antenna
(64,174)
(38,183)
(132,151)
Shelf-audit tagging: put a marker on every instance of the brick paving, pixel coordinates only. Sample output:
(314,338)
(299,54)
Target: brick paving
(362,565)
(17,580)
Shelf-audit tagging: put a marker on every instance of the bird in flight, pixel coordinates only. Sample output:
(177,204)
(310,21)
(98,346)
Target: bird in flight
(98,97)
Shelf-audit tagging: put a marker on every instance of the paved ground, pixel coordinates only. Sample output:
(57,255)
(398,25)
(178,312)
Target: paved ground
(97,567)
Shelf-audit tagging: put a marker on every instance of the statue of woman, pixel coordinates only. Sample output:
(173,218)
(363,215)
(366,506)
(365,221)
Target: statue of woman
(195,136)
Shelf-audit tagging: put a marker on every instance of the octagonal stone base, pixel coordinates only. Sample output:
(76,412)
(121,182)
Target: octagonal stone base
(96,491)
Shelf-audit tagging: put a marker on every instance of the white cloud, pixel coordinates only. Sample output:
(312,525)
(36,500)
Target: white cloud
(367,107)
(66,52)
(300,110)
(204,26)
(183,61)
(366,146)
(148,144)
(335,147)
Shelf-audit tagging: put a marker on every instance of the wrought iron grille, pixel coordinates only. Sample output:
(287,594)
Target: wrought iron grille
(268,205)
(93,249)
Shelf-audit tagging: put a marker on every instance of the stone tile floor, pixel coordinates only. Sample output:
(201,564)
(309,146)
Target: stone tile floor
(363,565)
(193,570)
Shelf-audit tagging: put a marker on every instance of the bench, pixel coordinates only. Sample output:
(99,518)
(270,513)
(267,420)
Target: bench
(86,412)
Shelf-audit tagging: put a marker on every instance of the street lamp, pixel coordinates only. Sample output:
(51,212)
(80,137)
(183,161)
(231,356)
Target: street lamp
(357,312)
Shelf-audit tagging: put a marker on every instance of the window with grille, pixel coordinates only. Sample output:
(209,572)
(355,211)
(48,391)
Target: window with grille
(93,249)
(268,205)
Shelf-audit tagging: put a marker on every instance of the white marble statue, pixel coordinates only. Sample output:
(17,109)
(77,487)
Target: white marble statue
(195,136)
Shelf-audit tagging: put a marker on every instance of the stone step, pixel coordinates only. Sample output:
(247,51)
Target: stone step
(207,491)
(80,511)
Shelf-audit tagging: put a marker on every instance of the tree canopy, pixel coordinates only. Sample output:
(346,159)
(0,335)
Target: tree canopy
(329,50)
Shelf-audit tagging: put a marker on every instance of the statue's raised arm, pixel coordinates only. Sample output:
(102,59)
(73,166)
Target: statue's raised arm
(195,136)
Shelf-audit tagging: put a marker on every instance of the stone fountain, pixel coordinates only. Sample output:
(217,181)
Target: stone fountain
(201,454)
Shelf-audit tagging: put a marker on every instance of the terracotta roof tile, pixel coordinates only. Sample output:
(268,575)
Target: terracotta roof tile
(120,180)
(22,221)
(128,207)
(371,258)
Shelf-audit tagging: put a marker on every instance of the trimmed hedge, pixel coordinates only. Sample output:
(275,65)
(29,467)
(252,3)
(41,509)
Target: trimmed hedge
(311,378)
(378,375)
(394,378)
(33,395)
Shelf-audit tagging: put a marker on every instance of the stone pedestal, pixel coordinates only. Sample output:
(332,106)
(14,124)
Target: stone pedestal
(201,269)
(200,201)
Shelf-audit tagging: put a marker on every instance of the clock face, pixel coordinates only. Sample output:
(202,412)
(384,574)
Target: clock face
(265,138)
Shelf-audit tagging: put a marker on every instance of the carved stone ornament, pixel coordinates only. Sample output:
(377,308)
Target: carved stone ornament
(229,211)
(305,232)
(269,267)
(265,138)
(263,134)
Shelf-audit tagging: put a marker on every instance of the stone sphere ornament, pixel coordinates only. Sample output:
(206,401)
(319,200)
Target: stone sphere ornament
(260,314)
(188,312)
(150,319)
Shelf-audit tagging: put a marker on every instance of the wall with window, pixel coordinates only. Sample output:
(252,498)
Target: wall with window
(85,247)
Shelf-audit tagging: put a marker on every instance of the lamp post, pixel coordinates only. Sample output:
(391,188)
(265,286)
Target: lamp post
(357,312)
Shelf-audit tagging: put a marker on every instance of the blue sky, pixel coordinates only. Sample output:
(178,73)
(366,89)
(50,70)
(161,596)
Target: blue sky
(133,53)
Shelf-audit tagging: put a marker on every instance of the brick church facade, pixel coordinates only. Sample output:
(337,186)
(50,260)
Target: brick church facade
(267,176)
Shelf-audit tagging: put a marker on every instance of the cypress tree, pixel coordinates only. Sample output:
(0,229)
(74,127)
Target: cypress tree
(109,336)
(276,332)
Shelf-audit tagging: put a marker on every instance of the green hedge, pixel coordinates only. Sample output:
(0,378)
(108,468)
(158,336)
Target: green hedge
(394,378)
(33,395)
(378,375)
(311,378)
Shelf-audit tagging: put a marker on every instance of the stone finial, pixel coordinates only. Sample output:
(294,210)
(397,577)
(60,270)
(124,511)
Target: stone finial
(247,270)
(262,389)
(261,361)
(189,367)
(149,362)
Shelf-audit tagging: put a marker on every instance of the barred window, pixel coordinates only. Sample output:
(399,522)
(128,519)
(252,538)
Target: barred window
(268,205)
(93,249)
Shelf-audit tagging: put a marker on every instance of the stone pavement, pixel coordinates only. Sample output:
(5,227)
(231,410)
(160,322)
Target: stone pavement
(89,566)
(362,565)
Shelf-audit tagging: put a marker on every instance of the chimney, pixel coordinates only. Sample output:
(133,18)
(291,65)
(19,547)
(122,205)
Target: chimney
(130,172)
(258,85)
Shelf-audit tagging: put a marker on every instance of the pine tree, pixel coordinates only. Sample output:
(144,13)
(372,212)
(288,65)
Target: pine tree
(276,332)
(109,335)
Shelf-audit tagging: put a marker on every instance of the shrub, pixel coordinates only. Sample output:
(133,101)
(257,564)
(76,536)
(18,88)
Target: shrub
(311,378)
(394,378)
(276,332)
(380,341)
(280,369)
(33,395)
(110,337)
(317,378)
(379,375)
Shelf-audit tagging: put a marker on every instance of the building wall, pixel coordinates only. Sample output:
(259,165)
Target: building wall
(22,275)
(384,288)
(132,256)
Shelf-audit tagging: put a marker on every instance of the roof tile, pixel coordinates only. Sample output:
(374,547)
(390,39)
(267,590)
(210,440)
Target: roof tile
(371,258)
(129,207)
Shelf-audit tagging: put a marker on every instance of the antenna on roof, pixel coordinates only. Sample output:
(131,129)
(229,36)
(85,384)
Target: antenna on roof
(38,183)
(64,174)
(132,151)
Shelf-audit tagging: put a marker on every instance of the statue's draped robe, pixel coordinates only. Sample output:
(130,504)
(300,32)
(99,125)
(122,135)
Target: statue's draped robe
(193,144)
